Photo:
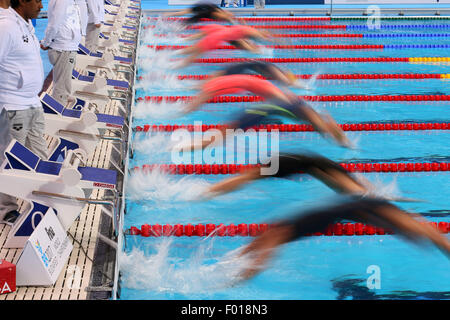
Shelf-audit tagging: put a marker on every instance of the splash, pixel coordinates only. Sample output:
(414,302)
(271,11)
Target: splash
(152,110)
(381,189)
(159,186)
(150,59)
(152,143)
(200,273)
(163,81)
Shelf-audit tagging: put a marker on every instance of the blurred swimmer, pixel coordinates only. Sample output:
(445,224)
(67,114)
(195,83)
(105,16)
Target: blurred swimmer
(264,69)
(238,83)
(321,168)
(376,212)
(204,11)
(237,35)
(295,109)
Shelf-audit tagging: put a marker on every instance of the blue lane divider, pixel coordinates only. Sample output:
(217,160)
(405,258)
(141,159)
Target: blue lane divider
(416,46)
(400,26)
(404,35)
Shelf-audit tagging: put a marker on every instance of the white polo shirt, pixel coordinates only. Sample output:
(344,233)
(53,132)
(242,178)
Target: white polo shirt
(82,5)
(63,30)
(21,69)
(96,10)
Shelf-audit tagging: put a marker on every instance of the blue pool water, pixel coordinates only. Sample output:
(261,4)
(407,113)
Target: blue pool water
(315,267)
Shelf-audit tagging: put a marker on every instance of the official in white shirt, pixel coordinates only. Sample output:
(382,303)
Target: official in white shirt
(22,76)
(82,5)
(96,15)
(62,37)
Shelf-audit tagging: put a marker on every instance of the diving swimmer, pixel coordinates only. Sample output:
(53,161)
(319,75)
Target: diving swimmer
(376,212)
(285,104)
(321,168)
(237,35)
(204,11)
(264,69)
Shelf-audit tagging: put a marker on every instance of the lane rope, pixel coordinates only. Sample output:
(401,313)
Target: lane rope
(233,99)
(386,126)
(319,47)
(354,76)
(328,60)
(345,35)
(253,230)
(362,167)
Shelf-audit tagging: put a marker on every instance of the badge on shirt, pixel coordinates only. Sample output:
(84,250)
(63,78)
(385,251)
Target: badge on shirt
(25,38)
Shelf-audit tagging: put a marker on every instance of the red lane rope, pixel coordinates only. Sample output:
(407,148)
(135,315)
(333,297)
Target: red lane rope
(256,18)
(351,167)
(232,99)
(355,76)
(253,230)
(312,47)
(304,60)
(304,127)
(295,35)
(295,26)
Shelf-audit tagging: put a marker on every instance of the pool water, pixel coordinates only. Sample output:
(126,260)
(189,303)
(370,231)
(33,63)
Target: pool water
(318,267)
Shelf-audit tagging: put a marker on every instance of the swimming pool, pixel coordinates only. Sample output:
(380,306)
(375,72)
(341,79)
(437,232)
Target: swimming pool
(317,267)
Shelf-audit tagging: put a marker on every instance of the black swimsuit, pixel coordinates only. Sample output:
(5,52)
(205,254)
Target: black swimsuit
(364,210)
(294,163)
(260,113)
(262,68)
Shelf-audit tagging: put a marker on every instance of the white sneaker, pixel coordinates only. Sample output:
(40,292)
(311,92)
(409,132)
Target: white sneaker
(235,5)
(227,5)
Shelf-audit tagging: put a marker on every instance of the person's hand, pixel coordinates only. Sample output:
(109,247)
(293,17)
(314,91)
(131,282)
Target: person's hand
(44,48)
(263,247)
(98,25)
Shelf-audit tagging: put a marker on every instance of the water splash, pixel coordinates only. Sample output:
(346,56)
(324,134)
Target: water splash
(162,80)
(379,188)
(159,186)
(151,59)
(153,144)
(163,110)
(200,273)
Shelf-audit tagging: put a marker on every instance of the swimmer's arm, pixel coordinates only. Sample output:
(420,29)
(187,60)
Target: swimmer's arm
(231,184)
(195,36)
(178,13)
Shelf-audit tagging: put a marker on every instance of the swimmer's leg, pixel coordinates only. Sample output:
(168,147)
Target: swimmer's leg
(321,125)
(199,100)
(389,216)
(231,184)
(338,180)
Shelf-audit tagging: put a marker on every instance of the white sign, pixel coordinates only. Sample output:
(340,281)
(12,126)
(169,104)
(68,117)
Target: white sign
(45,254)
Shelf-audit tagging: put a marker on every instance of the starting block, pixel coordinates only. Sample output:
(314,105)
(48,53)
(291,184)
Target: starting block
(109,63)
(49,185)
(82,127)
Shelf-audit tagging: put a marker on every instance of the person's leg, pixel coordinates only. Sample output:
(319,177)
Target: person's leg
(92,37)
(7,202)
(63,64)
(35,138)
(321,125)
(199,100)
(394,218)
(233,183)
